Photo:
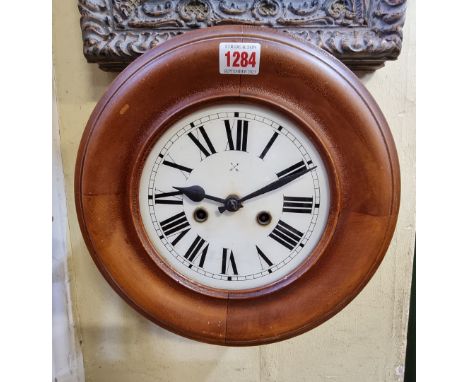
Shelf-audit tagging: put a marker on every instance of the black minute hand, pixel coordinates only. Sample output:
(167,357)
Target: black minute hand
(274,185)
(197,194)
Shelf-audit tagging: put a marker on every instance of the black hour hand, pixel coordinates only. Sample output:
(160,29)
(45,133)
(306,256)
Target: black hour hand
(197,194)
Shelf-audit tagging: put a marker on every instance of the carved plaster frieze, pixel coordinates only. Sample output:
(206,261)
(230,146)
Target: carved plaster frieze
(361,33)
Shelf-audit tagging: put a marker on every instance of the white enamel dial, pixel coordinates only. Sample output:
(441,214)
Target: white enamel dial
(231,151)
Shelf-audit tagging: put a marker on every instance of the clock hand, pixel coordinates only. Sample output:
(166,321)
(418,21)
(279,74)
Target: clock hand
(197,194)
(272,186)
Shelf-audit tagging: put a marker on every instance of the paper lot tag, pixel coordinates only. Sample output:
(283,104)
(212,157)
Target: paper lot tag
(239,58)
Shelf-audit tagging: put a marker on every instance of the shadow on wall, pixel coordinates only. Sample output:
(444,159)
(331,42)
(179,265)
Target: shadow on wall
(100,81)
(364,76)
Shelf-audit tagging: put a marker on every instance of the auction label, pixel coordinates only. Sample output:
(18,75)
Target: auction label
(239,58)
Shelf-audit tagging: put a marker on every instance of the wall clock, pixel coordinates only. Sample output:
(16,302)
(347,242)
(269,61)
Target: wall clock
(237,209)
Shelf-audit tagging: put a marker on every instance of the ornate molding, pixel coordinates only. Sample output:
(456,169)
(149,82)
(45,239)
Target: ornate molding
(361,33)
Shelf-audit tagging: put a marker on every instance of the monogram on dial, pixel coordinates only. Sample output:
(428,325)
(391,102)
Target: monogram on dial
(234,197)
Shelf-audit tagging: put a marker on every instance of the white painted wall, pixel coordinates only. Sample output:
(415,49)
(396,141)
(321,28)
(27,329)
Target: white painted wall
(363,343)
(67,358)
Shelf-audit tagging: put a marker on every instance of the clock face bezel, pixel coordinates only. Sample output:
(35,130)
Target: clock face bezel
(159,127)
(303,83)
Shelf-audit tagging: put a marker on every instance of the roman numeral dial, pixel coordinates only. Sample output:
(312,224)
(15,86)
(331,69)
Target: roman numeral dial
(230,195)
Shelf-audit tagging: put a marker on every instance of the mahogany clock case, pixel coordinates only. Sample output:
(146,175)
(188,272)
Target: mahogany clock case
(309,87)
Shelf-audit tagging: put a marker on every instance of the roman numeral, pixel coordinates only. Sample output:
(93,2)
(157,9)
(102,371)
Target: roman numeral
(175,224)
(161,198)
(179,236)
(297,167)
(270,143)
(205,150)
(195,251)
(228,258)
(265,259)
(286,235)
(177,166)
(297,204)
(241,135)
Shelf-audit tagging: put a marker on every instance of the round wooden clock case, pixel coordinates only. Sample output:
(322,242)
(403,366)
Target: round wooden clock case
(307,86)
